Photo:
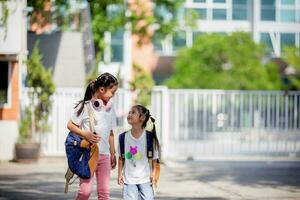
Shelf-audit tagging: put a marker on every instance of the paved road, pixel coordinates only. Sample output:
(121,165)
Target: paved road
(189,180)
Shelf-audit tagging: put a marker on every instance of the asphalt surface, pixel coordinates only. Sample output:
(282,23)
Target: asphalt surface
(211,179)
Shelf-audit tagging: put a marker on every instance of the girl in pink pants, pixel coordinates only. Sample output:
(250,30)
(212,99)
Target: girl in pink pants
(98,96)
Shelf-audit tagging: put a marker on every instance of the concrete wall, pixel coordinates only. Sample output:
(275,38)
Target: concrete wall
(8,136)
(63,52)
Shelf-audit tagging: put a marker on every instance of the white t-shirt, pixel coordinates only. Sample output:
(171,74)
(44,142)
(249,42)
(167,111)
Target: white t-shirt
(136,166)
(105,121)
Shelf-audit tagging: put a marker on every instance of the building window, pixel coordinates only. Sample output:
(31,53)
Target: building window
(240,9)
(4,74)
(219,1)
(221,33)
(287,15)
(180,14)
(287,39)
(117,43)
(201,12)
(179,40)
(219,14)
(268,10)
(156,40)
(266,40)
(287,2)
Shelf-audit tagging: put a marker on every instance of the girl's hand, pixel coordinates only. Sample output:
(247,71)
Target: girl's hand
(91,137)
(113,161)
(120,179)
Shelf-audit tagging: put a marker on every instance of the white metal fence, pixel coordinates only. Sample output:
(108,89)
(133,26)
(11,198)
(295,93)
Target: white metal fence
(197,123)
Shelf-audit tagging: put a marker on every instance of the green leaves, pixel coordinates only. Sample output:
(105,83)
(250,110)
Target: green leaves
(39,79)
(292,57)
(142,85)
(111,15)
(224,62)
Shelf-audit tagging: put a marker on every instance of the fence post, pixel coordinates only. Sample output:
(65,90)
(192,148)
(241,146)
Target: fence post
(162,110)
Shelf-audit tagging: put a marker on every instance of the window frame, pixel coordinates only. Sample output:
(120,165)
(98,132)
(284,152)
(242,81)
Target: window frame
(8,103)
(241,7)
(108,51)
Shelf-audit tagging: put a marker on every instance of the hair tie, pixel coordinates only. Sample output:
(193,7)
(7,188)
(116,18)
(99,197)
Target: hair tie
(152,119)
(92,83)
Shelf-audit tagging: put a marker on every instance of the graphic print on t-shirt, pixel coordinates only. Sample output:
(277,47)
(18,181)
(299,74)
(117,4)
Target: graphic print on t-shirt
(133,155)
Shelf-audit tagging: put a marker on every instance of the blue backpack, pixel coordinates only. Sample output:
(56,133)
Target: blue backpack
(78,157)
(82,156)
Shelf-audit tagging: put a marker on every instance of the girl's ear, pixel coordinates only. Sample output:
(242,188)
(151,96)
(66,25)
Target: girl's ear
(101,89)
(143,117)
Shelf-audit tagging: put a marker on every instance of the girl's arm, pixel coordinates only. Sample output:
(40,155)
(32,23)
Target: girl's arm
(88,135)
(120,171)
(112,150)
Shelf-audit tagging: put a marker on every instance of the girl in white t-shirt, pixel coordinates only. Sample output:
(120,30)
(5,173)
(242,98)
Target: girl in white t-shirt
(134,170)
(97,95)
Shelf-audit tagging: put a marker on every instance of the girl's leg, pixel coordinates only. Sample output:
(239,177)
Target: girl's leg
(103,177)
(145,191)
(130,192)
(85,189)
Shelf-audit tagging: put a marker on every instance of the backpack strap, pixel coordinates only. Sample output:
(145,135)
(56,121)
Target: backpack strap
(94,154)
(150,154)
(122,144)
(149,138)
(91,118)
(68,176)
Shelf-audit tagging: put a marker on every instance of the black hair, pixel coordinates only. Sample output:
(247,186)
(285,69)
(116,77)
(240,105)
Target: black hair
(145,112)
(105,80)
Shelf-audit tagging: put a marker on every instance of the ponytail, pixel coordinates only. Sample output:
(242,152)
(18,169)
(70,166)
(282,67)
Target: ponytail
(156,142)
(89,92)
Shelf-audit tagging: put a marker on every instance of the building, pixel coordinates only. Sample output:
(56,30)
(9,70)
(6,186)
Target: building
(69,53)
(13,52)
(273,22)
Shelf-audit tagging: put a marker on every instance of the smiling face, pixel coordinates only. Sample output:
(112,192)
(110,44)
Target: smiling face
(134,117)
(105,94)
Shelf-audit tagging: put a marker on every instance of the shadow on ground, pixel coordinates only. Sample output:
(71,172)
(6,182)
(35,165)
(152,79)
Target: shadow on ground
(33,186)
(189,198)
(254,174)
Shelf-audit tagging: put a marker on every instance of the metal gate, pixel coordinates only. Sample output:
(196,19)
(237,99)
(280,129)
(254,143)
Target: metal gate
(199,123)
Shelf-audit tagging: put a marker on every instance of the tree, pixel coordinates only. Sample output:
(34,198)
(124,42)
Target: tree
(41,85)
(141,86)
(111,15)
(224,62)
(44,12)
(292,57)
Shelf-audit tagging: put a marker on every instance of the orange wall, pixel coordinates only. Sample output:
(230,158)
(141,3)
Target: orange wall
(12,113)
(143,54)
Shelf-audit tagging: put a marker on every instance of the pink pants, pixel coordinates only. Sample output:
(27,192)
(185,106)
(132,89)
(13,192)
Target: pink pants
(102,175)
